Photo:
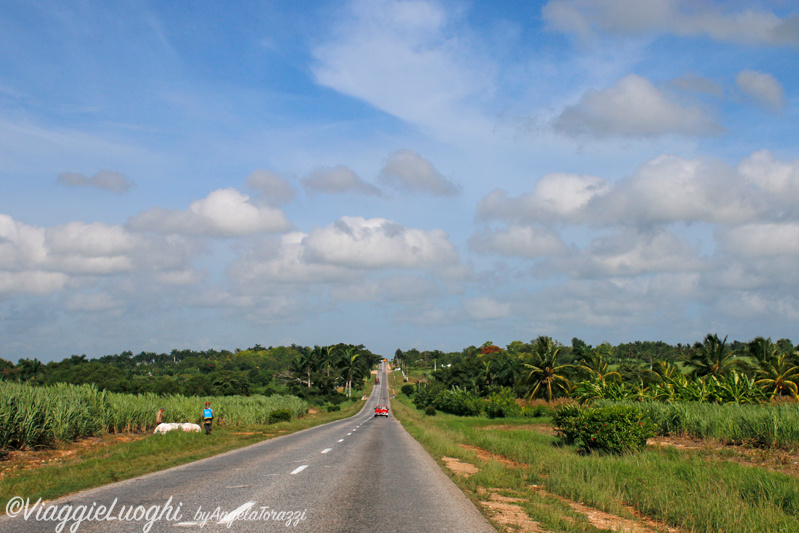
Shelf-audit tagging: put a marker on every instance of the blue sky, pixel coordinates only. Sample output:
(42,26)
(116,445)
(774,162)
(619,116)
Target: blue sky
(395,173)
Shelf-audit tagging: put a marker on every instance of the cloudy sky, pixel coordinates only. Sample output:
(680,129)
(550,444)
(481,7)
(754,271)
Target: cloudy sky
(430,174)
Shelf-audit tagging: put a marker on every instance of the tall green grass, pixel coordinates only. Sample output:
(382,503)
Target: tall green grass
(32,416)
(756,425)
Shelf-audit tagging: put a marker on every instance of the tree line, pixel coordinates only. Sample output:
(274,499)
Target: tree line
(308,372)
(709,370)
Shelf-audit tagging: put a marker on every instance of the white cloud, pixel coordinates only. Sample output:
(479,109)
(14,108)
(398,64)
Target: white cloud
(587,19)
(408,171)
(763,240)
(402,58)
(21,246)
(378,243)
(394,289)
(630,253)
(282,261)
(272,187)
(777,179)
(761,87)
(670,188)
(338,179)
(487,308)
(32,282)
(223,213)
(519,241)
(105,179)
(555,198)
(635,108)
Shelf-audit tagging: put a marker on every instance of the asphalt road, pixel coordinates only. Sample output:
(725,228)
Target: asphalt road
(361,474)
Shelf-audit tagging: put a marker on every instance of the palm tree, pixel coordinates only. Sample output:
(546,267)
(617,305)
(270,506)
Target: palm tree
(544,373)
(596,365)
(779,376)
(351,366)
(712,357)
(303,364)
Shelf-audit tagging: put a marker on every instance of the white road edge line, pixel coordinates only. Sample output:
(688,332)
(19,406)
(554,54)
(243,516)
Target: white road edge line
(299,469)
(326,450)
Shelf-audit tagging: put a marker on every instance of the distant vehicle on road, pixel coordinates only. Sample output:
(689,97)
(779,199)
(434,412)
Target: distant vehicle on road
(381,410)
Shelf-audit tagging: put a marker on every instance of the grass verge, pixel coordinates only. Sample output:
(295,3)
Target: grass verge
(659,489)
(90,463)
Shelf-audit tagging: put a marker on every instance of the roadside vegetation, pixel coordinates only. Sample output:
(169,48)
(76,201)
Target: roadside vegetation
(68,467)
(637,437)
(525,477)
(44,405)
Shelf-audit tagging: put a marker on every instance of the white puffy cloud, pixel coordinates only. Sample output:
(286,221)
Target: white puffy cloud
(629,253)
(587,19)
(778,180)
(282,261)
(272,187)
(36,260)
(555,198)
(762,87)
(408,171)
(762,239)
(21,246)
(339,179)
(223,213)
(105,179)
(95,248)
(670,188)
(519,241)
(378,243)
(633,107)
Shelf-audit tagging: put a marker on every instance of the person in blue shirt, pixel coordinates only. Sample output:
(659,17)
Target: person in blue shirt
(208,418)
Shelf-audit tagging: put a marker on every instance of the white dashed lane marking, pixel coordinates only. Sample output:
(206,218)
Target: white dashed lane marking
(299,469)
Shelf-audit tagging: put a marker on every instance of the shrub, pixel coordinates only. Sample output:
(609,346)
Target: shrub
(408,389)
(427,395)
(502,404)
(331,408)
(458,402)
(279,415)
(430,410)
(617,429)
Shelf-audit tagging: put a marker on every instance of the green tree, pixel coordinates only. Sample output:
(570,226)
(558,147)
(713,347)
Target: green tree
(779,376)
(595,363)
(712,357)
(544,374)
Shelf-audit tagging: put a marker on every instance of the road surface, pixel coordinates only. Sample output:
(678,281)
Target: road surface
(361,474)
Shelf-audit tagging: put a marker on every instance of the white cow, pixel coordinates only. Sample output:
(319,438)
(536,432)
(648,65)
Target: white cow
(163,429)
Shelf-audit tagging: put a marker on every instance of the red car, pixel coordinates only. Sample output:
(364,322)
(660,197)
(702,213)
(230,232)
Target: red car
(381,410)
